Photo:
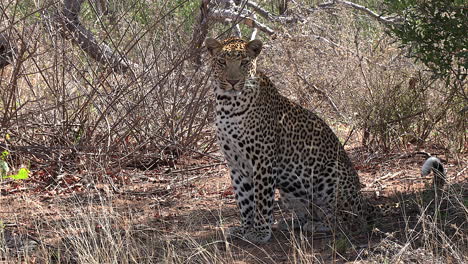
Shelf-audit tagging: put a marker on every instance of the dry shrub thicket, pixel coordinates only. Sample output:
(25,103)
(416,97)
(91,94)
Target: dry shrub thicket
(62,110)
(62,107)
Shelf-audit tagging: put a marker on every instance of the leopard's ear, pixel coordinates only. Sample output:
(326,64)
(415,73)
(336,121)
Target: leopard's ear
(213,46)
(254,47)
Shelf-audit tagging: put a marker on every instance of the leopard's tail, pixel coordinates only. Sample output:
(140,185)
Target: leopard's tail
(435,165)
(431,164)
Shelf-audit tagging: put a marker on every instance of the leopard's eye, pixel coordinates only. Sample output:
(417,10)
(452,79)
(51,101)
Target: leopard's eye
(222,61)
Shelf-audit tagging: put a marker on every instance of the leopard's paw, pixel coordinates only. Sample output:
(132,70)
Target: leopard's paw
(236,232)
(258,235)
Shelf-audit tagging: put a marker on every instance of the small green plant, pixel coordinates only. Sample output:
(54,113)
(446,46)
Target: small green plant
(22,174)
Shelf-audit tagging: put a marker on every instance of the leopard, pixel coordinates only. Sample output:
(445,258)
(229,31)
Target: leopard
(272,143)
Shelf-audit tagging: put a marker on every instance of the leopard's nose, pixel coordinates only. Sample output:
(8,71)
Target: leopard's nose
(233,82)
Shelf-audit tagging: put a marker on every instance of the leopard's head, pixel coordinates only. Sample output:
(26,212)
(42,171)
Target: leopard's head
(233,61)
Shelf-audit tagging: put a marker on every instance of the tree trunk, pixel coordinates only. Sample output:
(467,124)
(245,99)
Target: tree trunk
(200,31)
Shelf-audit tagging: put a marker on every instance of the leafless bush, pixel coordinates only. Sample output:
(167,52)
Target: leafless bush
(60,106)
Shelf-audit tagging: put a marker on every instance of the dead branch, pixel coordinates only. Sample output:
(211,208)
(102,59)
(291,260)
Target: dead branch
(71,27)
(265,14)
(380,18)
(230,16)
(230,4)
(227,11)
(243,5)
(255,30)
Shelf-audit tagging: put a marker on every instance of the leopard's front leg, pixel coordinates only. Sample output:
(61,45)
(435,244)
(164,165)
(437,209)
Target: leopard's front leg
(244,191)
(264,190)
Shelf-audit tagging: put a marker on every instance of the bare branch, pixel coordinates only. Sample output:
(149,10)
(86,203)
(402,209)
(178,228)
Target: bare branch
(282,6)
(382,19)
(331,43)
(229,16)
(260,10)
(236,28)
(255,30)
(86,40)
(322,93)
(264,13)
(243,12)
(237,31)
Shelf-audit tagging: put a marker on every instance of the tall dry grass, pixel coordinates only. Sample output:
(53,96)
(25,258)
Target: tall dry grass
(98,230)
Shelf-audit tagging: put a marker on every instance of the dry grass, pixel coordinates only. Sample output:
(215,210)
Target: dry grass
(185,225)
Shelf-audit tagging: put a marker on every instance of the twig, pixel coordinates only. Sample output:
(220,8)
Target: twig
(265,14)
(169,187)
(324,94)
(198,168)
(386,177)
(380,18)
(462,171)
(349,135)
(229,16)
(331,43)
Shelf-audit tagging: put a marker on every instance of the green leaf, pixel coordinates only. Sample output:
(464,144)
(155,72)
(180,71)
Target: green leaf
(23,174)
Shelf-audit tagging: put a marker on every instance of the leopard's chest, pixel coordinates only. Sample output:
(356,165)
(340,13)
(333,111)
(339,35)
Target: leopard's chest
(232,132)
(233,116)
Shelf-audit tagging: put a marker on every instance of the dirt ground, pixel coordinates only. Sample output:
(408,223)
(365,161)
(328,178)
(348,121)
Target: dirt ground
(193,201)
